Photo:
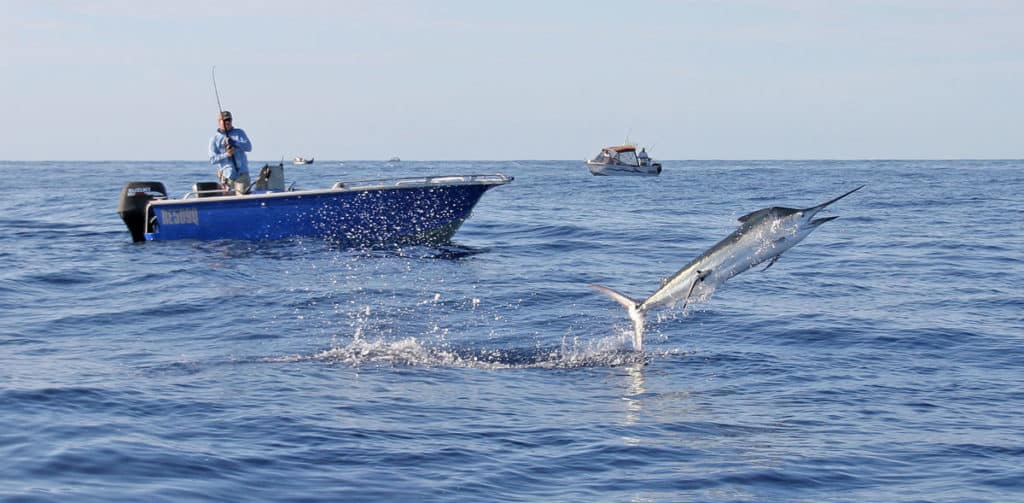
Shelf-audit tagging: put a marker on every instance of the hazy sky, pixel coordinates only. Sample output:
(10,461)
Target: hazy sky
(520,79)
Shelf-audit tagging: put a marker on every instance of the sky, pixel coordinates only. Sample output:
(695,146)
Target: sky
(514,80)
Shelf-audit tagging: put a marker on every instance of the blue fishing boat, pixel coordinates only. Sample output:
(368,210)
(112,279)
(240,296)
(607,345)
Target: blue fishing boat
(407,211)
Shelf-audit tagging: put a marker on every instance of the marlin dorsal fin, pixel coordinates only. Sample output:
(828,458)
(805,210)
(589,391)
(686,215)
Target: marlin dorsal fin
(776,211)
(754,214)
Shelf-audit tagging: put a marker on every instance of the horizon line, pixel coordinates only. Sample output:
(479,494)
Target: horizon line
(752,159)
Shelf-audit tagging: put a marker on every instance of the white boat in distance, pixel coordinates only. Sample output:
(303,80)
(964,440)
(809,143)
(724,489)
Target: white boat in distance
(623,160)
(300,161)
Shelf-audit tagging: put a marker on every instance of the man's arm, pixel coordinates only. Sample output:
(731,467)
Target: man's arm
(242,143)
(215,155)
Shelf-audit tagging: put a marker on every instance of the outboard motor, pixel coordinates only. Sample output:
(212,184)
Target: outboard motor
(135,198)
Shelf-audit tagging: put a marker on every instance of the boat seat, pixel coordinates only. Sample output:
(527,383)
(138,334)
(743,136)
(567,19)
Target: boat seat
(208,189)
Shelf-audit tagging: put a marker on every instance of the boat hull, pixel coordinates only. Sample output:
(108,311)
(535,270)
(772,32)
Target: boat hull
(422,212)
(606,169)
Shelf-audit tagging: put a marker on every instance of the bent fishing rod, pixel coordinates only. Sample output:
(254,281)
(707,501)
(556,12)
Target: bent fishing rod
(220,110)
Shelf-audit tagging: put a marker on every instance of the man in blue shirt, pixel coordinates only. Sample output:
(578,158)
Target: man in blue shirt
(227,151)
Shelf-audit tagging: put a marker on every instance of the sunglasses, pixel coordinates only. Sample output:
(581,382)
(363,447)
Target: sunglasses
(226,120)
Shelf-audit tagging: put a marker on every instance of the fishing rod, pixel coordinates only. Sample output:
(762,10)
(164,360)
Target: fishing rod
(220,110)
(213,74)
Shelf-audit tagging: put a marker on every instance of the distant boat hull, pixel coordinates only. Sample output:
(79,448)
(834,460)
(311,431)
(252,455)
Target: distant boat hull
(399,211)
(623,160)
(612,169)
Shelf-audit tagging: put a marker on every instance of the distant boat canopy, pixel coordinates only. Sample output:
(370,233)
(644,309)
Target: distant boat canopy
(623,154)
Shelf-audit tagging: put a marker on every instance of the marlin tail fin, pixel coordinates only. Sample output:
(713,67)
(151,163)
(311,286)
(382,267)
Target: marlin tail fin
(635,313)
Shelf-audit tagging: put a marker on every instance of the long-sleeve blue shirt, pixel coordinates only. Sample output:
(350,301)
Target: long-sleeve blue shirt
(218,153)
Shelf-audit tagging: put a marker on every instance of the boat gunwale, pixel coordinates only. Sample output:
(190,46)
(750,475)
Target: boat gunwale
(341,187)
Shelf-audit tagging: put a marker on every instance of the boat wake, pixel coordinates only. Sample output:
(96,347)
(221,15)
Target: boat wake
(295,248)
(446,251)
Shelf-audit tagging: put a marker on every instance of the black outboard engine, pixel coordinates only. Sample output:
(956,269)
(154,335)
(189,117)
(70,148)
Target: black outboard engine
(135,197)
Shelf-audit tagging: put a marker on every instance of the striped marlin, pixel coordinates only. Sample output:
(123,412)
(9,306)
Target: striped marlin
(762,236)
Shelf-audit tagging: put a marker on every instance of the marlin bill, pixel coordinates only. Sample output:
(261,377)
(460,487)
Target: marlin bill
(763,236)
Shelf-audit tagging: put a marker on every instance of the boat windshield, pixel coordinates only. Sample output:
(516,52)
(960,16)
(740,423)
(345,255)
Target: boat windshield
(628,157)
(604,156)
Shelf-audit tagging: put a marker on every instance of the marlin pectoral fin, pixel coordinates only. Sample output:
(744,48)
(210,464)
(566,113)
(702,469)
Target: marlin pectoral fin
(774,260)
(699,279)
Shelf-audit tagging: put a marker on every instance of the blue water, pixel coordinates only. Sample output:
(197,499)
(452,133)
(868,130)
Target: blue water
(882,359)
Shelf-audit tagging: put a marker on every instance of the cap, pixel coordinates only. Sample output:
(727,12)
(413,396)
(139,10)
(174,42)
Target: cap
(225,115)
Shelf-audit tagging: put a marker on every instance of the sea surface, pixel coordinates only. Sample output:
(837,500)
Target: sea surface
(881,359)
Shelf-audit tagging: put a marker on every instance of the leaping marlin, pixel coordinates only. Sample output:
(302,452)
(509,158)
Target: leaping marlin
(763,236)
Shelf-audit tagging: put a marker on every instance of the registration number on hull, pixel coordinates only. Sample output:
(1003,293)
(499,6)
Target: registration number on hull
(180,216)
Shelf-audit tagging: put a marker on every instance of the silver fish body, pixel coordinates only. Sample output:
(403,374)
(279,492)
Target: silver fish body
(763,236)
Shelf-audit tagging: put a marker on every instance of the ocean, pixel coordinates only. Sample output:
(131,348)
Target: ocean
(881,359)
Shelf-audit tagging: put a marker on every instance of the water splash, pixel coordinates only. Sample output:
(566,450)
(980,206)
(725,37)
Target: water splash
(414,352)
